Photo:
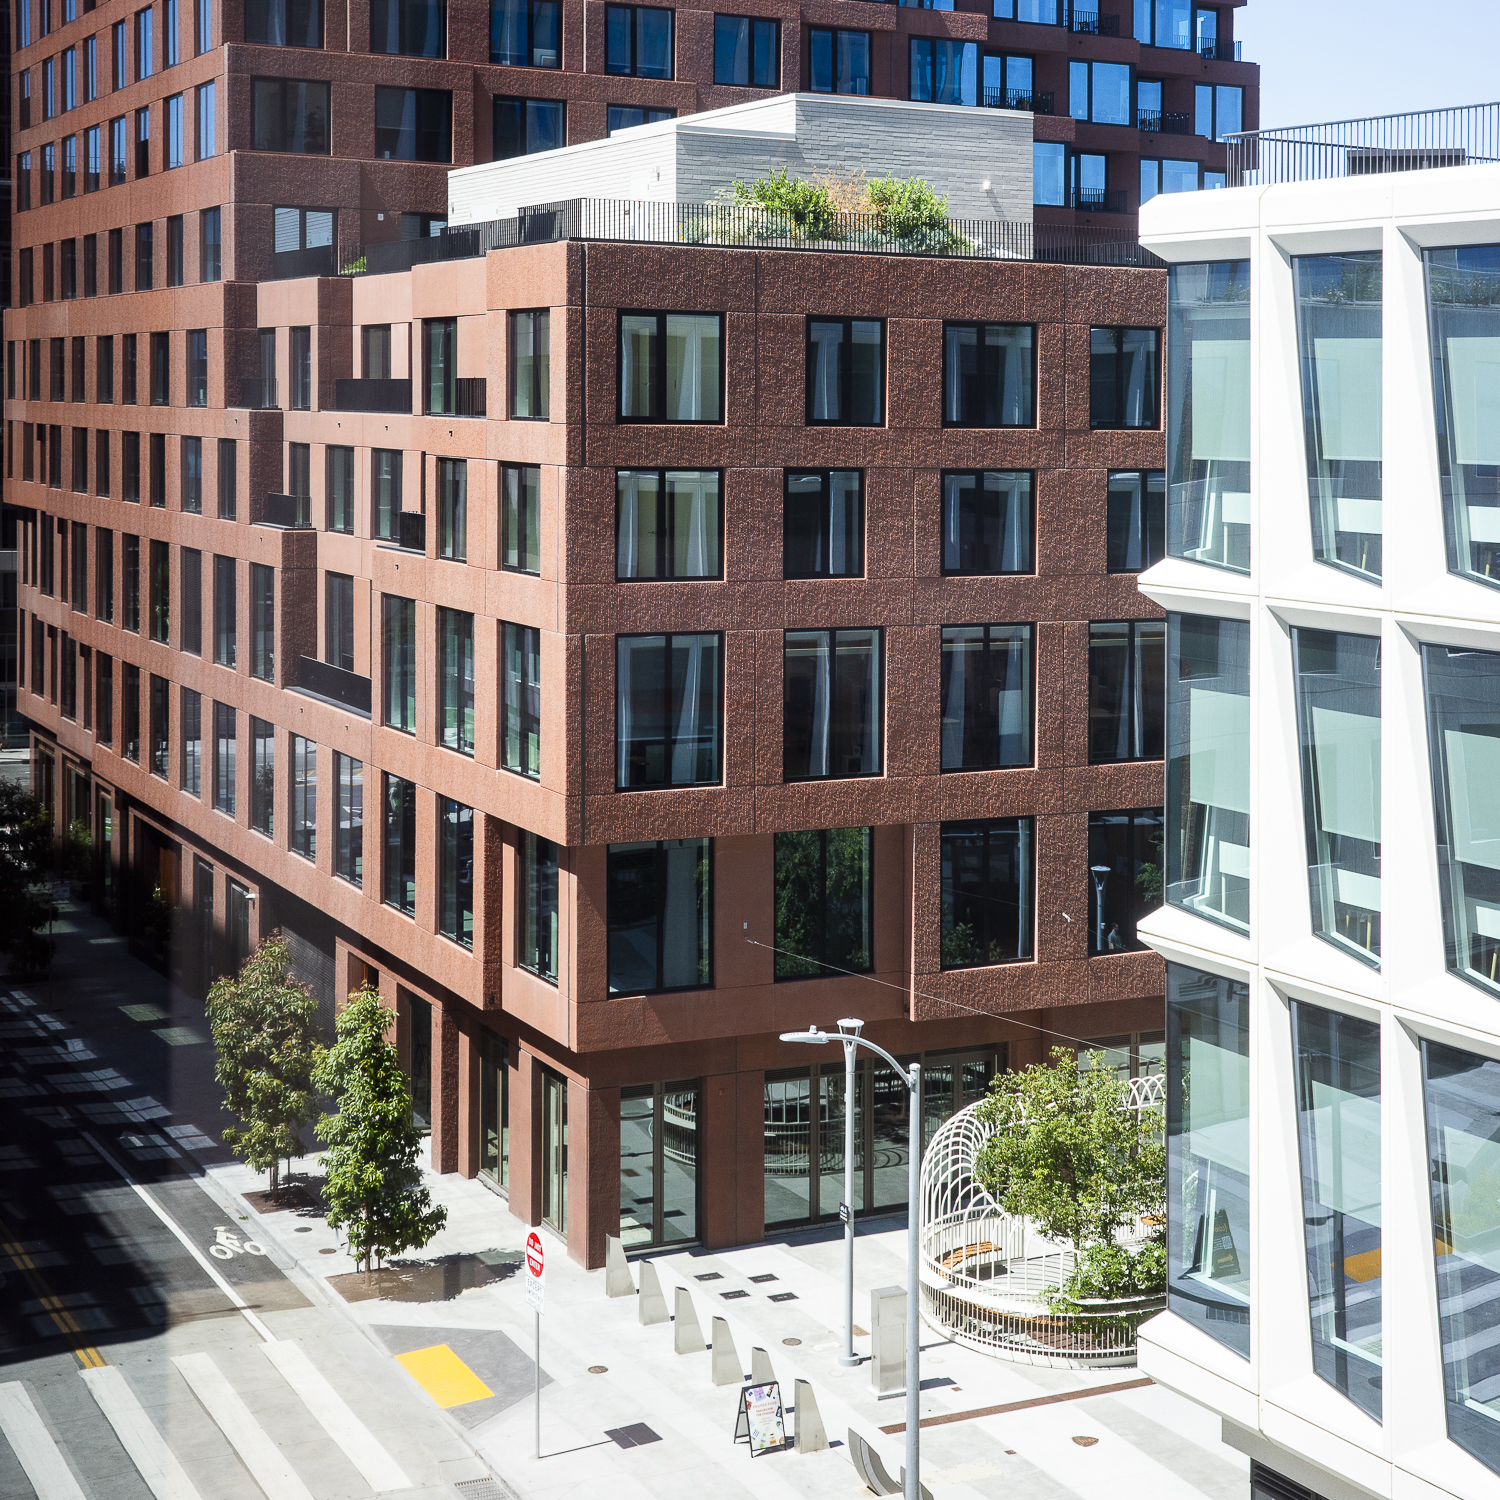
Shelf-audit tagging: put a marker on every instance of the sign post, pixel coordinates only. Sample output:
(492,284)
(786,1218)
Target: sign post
(536,1295)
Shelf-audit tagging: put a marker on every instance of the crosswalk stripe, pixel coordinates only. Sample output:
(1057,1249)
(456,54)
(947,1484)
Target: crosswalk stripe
(265,1461)
(381,1471)
(138,1435)
(32,1444)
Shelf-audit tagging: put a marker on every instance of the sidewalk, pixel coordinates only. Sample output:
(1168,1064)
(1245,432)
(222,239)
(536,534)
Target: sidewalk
(602,1372)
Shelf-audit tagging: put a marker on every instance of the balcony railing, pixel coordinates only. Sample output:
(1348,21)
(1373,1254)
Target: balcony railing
(257,393)
(1165,121)
(1100,200)
(347,689)
(294,511)
(1218,49)
(389,396)
(1463,136)
(1025,99)
(411,532)
(1091,23)
(286,265)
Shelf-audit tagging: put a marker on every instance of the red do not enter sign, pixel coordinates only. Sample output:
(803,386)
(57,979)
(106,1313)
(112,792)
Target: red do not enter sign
(534,1254)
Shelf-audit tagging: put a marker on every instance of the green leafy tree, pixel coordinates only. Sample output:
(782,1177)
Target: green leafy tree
(265,1030)
(374,1189)
(26,852)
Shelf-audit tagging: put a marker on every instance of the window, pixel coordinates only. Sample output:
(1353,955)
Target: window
(144,55)
(105,696)
(338,621)
(1338,720)
(130,694)
(203,27)
(224,749)
(988,892)
(1100,92)
(1126,690)
(987,523)
(494,1109)
(825,902)
(385,498)
(263,622)
(671,367)
(521,700)
(1165,175)
(747,52)
(537,929)
(79,557)
(69,674)
(197,367)
(204,110)
(525,33)
(1208,1154)
(456,871)
(846,372)
(1339,346)
(192,601)
(349,848)
(161,593)
(456,681)
(838,61)
(668,708)
(1125,851)
(660,905)
(171,41)
(304,827)
(832,707)
(284,23)
(172,143)
(1123,377)
(119,144)
(339,487)
(299,479)
(399,659)
(224,611)
(1208,768)
(413,124)
(1208,496)
(92,164)
(292,116)
(626,116)
(301,229)
(143,251)
(161,370)
(23,202)
(192,742)
(375,351)
(49,89)
(1338,1131)
(262,777)
(988,375)
(412,28)
(1218,110)
(70,79)
(400,845)
(104,575)
(69,179)
(987,696)
(300,350)
(668,523)
(943,71)
(639,41)
(823,524)
(1164,23)
(81,460)
(1136,520)
(228,478)
(658,1183)
(132,581)
(530,365)
(522,126)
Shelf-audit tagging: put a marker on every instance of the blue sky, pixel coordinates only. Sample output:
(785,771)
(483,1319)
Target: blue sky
(1339,59)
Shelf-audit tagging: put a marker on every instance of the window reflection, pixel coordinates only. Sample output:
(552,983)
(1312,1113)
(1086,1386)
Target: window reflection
(1125,871)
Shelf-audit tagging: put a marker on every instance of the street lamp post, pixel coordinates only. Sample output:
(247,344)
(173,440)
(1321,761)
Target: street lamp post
(849,1034)
(850,1031)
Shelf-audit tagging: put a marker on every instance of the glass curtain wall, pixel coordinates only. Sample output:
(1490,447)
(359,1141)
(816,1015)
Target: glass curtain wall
(1338,725)
(986,696)
(658,1165)
(1208,405)
(1338,1132)
(1208,1154)
(660,916)
(1338,347)
(1208,768)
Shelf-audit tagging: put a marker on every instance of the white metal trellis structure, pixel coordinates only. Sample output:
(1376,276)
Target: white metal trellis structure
(986,1274)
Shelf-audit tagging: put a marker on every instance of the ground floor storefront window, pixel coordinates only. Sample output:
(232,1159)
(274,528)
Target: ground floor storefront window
(494,1109)
(658,1165)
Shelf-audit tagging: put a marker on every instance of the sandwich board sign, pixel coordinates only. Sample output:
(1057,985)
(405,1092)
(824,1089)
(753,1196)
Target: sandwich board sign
(760,1420)
(536,1269)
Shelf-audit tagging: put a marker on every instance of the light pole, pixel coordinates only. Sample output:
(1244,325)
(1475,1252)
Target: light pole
(1099,872)
(850,1031)
(849,1034)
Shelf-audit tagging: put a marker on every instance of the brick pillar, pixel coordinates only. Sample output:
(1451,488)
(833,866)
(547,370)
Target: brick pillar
(718,1158)
(525,1138)
(750,1156)
(467,1122)
(593,1171)
(445,1096)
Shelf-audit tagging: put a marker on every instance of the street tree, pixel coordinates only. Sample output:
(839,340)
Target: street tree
(374,1189)
(26,850)
(265,1031)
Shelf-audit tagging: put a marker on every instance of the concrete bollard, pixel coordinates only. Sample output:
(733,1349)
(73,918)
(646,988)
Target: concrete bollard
(760,1368)
(727,1369)
(687,1336)
(617,1282)
(809,1434)
(651,1306)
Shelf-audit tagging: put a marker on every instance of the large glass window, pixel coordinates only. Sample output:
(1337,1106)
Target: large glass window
(944,71)
(1218,110)
(537,945)
(494,1108)
(660,899)
(667,710)
(1127,668)
(456,871)
(530,365)
(400,874)
(1100,92)
(1049,173)
(1463,736)
(668,523)
(453,508)
(439,356)
(832,704)
(628,116)
(339,488)
(671,367)
(825,903)
(846,372)
(224,749)
(288,115)
(521,699)
(1124,377)
(412,28)
(988,892)
(161,588)
(525,33)
(304,828)
(262,777)
(413,124)
(747,52)
(399,642)
(1338,1131)
(523,126)
(1208,768)
(1338,345)
(285,23)
(191,720)
(1208,396)
(987,697)
(225,632)
(1136,520)
(161,693)
(1463,309)
(1463,1142)
(1208,1154)
(838,61)
(823,524)
(521,517)
(987,522)
(638,41)
(385,493)
(1338,722)
(988,372)
(263,622)
(658,1164)
(456,680)
(349,847)
(1125,874)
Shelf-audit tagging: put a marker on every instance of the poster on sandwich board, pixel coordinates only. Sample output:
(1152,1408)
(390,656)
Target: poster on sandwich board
(760,1420)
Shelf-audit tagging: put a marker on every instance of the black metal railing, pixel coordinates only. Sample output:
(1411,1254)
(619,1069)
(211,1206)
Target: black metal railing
(388,396)
(1165,121)
(1462,136)
(257,393)
(1099,200)
(348,689)
(1091,23)
(1218,49)
(287,265)
(411,532)
(1029,100)
(287,510)
(469,396)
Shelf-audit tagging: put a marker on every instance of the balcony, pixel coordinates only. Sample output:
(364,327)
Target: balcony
(411,533)
(257,393)
(392,397)
(1099,200)
(291,511)
(287,265)
(1024,99)
(347,689)
(1091,23)
(1218,49)
(1164,121)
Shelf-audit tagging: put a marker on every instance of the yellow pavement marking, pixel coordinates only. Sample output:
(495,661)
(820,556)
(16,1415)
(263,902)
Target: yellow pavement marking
(444,1376)
(88,1356)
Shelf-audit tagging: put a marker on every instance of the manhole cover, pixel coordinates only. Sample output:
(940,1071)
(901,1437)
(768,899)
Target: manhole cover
(327,1252)
(1085,1442)
(303,1229)
(791,1342)
(598,1369)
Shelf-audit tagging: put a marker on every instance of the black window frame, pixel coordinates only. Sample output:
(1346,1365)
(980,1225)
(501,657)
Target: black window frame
(825,522)
(987,828)
(1120,384)
(541,392)
(657,418)
(614,851)
(792,968)
(633,68)
(521,548)
(523,132)
(754,23)
(665,532)
(846,372)
(993,736)
(285,87)
(418,130)
(1152,526)
(833,635)
(978,476)
(669,740)
(979,326)
(1102,885)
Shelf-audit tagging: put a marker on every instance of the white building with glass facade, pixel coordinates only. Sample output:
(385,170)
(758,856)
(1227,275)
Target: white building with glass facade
(1333,1040)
